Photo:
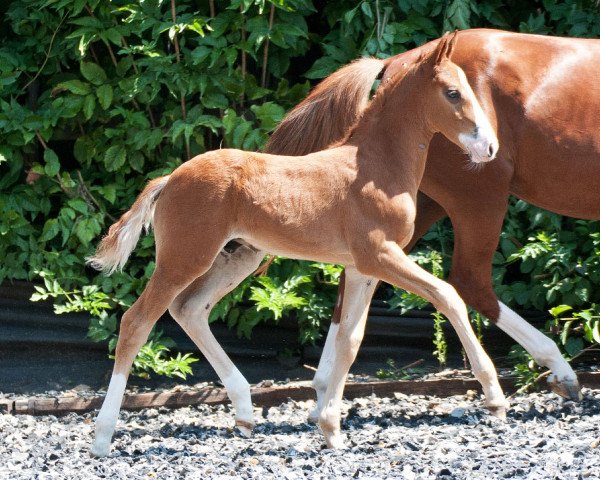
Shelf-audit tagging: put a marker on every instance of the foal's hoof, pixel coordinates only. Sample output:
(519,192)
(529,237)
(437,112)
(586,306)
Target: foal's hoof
(313,416)
(335,441)
(566,388)
(245,428)
(99,450)
(498,409)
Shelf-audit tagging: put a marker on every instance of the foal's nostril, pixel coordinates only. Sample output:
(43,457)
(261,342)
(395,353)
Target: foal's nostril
(491,150)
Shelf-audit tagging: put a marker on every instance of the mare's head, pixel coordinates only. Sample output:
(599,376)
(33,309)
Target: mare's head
(451,106)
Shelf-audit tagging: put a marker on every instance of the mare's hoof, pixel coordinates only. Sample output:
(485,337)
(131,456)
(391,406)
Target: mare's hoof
(245,428)
(566,388)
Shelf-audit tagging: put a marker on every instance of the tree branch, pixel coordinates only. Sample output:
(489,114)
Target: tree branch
(263,82)
(47,54)
(182,95)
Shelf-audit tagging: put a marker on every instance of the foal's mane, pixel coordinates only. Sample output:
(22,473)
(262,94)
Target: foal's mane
(442,50)
(385,90)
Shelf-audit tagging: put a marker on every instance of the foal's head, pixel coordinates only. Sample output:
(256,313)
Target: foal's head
(452,107)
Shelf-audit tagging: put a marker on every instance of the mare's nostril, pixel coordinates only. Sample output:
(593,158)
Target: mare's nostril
(491,150)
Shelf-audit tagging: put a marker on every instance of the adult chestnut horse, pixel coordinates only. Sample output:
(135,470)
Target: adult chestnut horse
(351,204)
(543,95)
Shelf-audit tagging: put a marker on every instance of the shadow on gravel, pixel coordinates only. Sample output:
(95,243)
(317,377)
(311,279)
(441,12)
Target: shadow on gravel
(389,419)
(554,410)
(199,433)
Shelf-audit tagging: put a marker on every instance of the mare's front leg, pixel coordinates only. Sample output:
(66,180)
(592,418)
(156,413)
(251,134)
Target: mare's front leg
(392,265)
(475,239)
(191,310)
(359,289)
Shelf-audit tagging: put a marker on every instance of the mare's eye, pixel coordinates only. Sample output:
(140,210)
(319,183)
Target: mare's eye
(453,95)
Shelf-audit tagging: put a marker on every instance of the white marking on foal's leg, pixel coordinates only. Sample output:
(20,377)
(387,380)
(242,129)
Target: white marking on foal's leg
(109,413)
(357,297)
(321,379)
(481,364)
(543,350)
(238,391)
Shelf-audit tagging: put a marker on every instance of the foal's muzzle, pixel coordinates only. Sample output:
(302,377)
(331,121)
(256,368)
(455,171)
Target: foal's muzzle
(481,144)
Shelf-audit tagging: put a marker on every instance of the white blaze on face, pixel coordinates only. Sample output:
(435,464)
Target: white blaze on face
(481,144)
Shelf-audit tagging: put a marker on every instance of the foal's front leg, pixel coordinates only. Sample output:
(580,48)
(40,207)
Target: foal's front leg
(349,333)
(191,310)
(392,265)
(352,290)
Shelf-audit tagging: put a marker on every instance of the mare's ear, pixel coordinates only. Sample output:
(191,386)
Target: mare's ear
(451,44)
(445,47)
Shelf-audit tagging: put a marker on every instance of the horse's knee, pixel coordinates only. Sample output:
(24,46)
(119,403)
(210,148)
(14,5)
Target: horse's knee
(448,299)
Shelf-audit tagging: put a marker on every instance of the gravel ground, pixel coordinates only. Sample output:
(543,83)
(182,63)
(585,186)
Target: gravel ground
(409,437)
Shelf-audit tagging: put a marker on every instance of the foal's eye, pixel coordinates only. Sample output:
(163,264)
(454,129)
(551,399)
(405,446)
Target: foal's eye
(453,95)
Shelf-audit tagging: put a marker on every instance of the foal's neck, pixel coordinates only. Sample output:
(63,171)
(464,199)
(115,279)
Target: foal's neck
(392,138)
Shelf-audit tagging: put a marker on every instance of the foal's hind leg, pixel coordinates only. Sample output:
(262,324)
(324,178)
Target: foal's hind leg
(135,328)
(191,309)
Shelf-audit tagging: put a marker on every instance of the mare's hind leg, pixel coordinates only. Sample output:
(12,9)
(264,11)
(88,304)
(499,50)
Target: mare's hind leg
(475,240)
(191,309)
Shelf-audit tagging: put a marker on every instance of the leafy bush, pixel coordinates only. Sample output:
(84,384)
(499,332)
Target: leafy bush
(98,97)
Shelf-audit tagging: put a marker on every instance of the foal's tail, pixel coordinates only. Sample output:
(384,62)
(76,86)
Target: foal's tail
(328,112)
(122,236)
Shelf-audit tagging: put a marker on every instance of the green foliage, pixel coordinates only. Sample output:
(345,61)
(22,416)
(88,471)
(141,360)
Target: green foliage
(103,326)
(393,372)
(440,351)
(151,359)
(98,97)
(303,290)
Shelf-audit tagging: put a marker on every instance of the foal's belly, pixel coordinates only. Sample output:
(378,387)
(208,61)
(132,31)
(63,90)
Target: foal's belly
(331,251)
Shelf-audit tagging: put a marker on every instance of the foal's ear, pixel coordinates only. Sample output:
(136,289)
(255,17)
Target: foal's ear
(445,47)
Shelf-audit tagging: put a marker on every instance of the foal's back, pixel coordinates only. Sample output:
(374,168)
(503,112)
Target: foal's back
(264,199)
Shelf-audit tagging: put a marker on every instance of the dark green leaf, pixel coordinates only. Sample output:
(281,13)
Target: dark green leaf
(105,96)
(52,166)
(93,73)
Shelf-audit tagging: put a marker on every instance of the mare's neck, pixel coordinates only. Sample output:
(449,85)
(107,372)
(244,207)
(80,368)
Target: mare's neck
(392,138)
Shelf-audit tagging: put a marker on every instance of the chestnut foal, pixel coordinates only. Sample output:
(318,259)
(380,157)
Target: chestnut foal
(351,204)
